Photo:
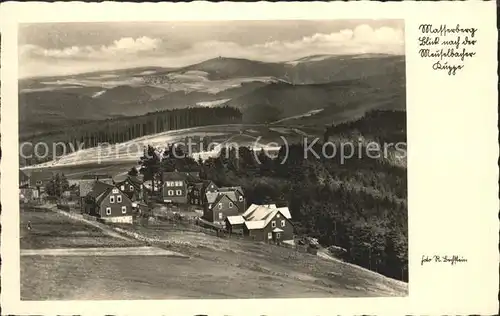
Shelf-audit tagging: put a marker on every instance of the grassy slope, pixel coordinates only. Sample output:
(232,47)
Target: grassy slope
(239,270)
(51,230)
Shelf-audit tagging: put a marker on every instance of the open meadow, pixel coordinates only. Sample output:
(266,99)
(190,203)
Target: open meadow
(213,267)
(51,230)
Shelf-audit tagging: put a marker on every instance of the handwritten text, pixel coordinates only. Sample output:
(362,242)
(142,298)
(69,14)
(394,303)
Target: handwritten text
(447,47)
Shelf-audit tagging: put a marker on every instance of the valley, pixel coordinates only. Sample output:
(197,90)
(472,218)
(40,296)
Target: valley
(263,92)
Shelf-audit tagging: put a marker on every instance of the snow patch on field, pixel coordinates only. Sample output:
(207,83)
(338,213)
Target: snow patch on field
(307,114)
(147,72)
(97,82)
(98,94)
(209,104)
(132,150)
(127,151)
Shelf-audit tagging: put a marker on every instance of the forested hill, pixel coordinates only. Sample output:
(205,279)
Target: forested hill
(123,129)
(357,204)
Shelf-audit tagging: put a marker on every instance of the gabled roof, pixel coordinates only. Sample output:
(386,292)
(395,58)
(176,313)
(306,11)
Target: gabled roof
(215,197)
(203,184)
(259,216)
(255,224)
(257,212)
(230,195)
(193,177)
(135,181)
(99,188)
(233,189)
(285,211)
(235,220)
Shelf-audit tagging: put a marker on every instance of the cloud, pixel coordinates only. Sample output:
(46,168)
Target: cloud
(147,51)
(126,46)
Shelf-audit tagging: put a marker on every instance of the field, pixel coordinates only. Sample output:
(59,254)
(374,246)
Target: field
(119,158)
(51,230)
(214,267)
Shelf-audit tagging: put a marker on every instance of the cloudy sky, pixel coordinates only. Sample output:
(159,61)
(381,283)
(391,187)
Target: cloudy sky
(69,48)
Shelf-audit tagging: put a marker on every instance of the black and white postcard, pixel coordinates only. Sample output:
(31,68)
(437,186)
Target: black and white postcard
(249,158)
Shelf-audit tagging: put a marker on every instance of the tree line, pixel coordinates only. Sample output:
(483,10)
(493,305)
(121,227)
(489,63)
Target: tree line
(118,130)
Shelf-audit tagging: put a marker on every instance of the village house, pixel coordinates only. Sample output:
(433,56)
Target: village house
(86,184)
(37,182)
(175,187)
(237,195)
(25,191)
(219,205)
(196,194)
(266,223)
(133,187)
(108,204)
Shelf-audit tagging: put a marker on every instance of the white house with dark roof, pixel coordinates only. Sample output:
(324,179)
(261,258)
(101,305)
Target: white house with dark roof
(267,223)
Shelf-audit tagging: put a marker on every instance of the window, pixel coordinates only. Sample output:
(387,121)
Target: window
(220,215)
(278,235)
(131,188)
(240,198)
(283,223)
(112,199)
(170,192)
(209,206)
(269,235)
(220,206)
(108,210)
(124,209)
(273,224)
(38,182)
(195,201)
(178,192)
(230,204)
(277,215)
(115,190)
(119,199)
(122,188)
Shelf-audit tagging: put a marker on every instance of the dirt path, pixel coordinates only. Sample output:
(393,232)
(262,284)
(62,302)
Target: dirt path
(108,231)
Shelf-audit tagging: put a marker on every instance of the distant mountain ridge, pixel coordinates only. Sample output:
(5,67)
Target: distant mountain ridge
(263,91)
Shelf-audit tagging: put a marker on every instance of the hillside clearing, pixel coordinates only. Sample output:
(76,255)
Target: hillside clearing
(238,268)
